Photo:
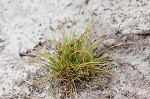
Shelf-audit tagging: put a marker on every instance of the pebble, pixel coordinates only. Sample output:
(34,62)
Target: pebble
(109,42)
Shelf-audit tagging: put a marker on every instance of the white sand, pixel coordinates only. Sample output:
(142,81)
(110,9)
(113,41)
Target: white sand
(33,18)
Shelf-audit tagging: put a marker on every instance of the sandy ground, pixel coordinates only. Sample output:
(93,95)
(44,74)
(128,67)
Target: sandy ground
(123,20)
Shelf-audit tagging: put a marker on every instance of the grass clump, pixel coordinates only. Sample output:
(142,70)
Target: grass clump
(74,62)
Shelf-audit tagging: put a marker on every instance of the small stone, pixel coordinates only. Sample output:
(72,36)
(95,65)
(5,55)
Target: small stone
(109,42)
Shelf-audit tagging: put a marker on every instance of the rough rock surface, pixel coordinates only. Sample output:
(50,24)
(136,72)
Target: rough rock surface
(123,20)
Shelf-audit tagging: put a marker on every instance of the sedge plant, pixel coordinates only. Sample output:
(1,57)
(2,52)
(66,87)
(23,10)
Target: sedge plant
(73,61)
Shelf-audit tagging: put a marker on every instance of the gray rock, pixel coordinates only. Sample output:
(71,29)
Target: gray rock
(109,42)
